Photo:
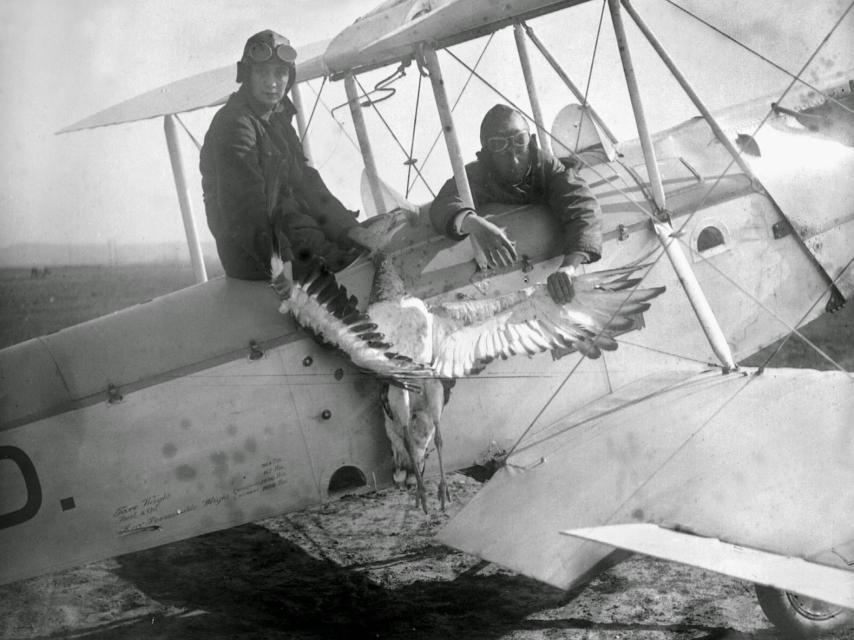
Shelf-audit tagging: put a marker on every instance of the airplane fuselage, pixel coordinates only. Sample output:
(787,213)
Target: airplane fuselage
(205,408)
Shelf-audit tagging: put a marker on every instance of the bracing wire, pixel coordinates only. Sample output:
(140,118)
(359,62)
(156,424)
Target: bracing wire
(340,124)
(460,95)
(671,354)
(792,330)
(317,95)
(678,238)
(395,138)
(676,235)
(762,122)
(539,45)
(682,446)
(528,116)
(657,392)
(803,318)
(592,63)
(189,133)
(410,161)
(580,360)
(759,55)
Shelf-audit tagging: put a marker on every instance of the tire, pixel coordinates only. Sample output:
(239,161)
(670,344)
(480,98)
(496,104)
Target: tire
(798,616)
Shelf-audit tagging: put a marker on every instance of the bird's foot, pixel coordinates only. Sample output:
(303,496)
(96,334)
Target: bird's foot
(421,498)
(444,494)
(417,485)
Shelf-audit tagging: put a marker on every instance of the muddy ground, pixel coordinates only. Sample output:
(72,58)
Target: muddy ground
(366,567)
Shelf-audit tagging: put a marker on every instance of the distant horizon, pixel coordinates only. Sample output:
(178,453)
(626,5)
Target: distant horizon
(105,252)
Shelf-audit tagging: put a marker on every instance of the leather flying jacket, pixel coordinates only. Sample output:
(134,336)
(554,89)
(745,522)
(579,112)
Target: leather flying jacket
(548,182)
(254,174)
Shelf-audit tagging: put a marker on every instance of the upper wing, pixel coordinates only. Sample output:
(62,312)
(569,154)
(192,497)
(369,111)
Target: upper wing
(470,334)
(393,30)
(206,89)
(383,36)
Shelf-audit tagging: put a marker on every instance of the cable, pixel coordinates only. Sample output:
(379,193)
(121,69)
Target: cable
(593,169)
(317,95)
(459,96)
(792,330)
(705,197)
(759,55)
(192,137)
(590,72)
(340,124)
(606,412)
(675,235)
(394,136)
(804,317)
(410,160)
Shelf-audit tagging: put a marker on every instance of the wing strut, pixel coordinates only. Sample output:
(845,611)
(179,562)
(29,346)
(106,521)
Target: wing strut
(662,226)
(569,83)
(446,117)
(533,96)
(177,161)
(688,89)
(364,141)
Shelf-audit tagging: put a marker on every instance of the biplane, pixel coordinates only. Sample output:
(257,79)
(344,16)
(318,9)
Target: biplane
(205,408)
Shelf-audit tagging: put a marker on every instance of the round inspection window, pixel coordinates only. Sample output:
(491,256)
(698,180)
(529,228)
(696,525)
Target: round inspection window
(709,238)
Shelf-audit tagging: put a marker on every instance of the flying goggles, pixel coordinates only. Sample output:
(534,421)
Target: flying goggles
(497,144)
(262,52)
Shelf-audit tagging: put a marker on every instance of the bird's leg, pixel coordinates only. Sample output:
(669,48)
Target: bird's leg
(444,494)
(420,491)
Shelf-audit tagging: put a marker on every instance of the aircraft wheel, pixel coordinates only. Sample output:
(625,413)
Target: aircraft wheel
(799,616)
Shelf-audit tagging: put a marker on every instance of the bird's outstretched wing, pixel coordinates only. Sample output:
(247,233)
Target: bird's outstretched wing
(321,306)
(470,334)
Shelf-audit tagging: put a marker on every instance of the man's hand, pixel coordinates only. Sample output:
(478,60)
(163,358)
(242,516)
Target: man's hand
(500,251)
(559,285)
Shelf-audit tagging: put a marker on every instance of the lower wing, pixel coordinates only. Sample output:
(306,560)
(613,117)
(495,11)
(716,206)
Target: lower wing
(756,460)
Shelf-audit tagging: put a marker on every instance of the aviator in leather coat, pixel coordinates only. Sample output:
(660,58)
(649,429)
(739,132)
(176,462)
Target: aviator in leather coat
(261,195)
(548,182)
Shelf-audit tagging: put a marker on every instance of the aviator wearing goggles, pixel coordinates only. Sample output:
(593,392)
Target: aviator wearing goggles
(262,52)
(497,144)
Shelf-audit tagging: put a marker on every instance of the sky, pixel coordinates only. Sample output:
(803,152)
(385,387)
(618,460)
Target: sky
(61,61)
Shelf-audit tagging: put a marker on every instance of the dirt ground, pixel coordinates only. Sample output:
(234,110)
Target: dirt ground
(361,567)
(367,567)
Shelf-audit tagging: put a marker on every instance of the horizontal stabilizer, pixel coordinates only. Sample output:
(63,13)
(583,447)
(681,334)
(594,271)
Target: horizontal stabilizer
(819,581)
